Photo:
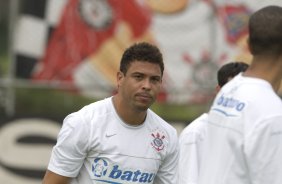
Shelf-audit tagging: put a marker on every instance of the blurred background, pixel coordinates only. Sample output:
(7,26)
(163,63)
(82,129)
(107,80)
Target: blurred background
(57,56)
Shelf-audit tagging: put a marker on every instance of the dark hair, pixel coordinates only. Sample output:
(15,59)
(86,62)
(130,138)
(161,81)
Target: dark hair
(143,52)
(230,70)
(265,29)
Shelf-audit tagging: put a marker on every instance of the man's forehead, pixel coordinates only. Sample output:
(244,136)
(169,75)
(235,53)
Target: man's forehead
(144,68)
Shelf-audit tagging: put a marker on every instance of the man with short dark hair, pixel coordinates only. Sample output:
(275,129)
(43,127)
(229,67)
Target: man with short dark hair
(244,136)
(229,71)
(119,139)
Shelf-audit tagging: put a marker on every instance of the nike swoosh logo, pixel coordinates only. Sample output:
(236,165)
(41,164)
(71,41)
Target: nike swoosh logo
(110,135)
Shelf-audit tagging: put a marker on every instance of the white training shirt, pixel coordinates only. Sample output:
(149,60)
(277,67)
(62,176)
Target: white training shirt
(243,143)
(96,146)
(190,143)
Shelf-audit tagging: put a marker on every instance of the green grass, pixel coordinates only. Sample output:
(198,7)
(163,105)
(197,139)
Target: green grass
(48,102)
(58,103)
(4,65)
(179,112)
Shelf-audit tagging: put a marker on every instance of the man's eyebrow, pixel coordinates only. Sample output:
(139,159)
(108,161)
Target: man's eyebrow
(140,73)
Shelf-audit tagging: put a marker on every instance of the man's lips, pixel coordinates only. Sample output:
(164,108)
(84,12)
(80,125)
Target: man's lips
(144,96)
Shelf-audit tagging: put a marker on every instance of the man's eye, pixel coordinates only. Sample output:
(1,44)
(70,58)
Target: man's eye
(156,79)
(138,77)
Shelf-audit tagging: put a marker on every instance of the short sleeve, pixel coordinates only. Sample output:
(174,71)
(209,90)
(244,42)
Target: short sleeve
(71,148)
(188,157)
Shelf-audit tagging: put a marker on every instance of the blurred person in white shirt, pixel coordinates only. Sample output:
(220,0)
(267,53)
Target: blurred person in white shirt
(192,137)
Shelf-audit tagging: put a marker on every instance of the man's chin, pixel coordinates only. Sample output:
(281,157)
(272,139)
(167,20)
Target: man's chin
(143,107)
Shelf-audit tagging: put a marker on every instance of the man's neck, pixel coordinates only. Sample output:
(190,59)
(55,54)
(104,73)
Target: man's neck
(266,68)
(127,113)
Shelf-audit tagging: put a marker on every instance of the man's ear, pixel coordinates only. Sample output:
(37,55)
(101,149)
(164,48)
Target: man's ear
(217,88)
(120,76)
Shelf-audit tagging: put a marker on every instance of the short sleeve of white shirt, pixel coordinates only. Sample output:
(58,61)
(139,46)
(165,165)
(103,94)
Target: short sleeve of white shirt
(190,141)
(71,148)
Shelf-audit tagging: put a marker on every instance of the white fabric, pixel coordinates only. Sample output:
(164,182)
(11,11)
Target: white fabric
(190,142)
(96,146)
(243,142)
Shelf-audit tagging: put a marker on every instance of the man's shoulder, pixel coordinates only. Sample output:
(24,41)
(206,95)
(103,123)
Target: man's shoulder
(197,126)
(156,120)
(92,110)
(97,106)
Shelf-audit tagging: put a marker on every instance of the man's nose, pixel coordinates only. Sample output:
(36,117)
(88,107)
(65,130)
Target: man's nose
(146,84)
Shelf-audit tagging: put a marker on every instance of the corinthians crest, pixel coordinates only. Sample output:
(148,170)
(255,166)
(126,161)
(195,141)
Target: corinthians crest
(157,141)
(96,13)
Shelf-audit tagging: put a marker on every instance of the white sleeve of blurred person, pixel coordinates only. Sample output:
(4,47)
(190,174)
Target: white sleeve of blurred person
(192,137)
(190,146)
